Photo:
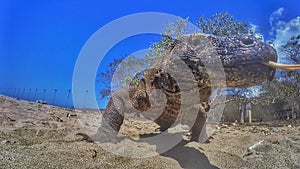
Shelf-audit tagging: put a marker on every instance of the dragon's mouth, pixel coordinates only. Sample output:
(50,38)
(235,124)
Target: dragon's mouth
(288,67)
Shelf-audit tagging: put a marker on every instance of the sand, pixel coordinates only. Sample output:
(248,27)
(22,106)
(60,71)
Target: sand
(34,135)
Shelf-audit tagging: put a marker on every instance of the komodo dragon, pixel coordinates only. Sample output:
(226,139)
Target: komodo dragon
(246,62)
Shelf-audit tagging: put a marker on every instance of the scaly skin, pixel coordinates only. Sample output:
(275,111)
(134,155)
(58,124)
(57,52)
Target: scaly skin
(240,57)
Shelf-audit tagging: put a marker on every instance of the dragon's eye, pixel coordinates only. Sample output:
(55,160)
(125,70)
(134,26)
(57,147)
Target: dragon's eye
(247,41)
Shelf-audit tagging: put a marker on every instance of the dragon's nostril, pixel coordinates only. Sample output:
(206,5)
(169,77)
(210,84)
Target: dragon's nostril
(247,41)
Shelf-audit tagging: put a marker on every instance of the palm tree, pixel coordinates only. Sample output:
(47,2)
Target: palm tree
(35,93)
(86,95)
(29,93)
(15,92)
(43,98)
(54,94)
(23,93)
(18,92)
(68,97)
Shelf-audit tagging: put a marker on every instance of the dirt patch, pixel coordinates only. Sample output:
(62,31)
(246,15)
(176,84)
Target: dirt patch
(34,135)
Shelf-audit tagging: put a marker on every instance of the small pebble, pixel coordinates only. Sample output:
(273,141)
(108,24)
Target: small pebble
(5,142)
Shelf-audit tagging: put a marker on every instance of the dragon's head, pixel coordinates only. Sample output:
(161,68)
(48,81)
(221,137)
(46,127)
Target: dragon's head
(244,59)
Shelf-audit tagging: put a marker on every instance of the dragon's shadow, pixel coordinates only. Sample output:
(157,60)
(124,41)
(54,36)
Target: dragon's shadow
(187,157)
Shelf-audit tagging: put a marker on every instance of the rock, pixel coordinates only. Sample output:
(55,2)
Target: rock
(266,131)
(69,115)
(94,153)
(275,138)
(234,124)
(10,119)
(254,129)
(274,129)
(41,102)
(224,126)
(5,142)
(59,119)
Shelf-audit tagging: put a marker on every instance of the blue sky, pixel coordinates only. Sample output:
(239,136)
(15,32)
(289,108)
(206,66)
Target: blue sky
(41,40)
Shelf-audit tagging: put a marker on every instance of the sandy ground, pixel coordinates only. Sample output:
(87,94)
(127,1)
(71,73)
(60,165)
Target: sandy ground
(34,135)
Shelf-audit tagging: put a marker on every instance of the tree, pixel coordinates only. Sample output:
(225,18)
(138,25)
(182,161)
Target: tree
(23,93)
(54,95)
(292,48)
(68,97)
(44,92)
(119,73)
(29,93)
(35,93)
(224,24)
(285,89)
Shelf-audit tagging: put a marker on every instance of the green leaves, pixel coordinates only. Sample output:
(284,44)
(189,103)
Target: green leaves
(223,24)
(121,72)
(292,48)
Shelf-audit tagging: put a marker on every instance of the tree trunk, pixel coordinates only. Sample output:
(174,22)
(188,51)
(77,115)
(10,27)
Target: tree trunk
(241,110)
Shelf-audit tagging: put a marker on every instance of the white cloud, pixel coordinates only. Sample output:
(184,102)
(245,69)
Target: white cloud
(282,31)
(287,30)
(275,21)
(276,16)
